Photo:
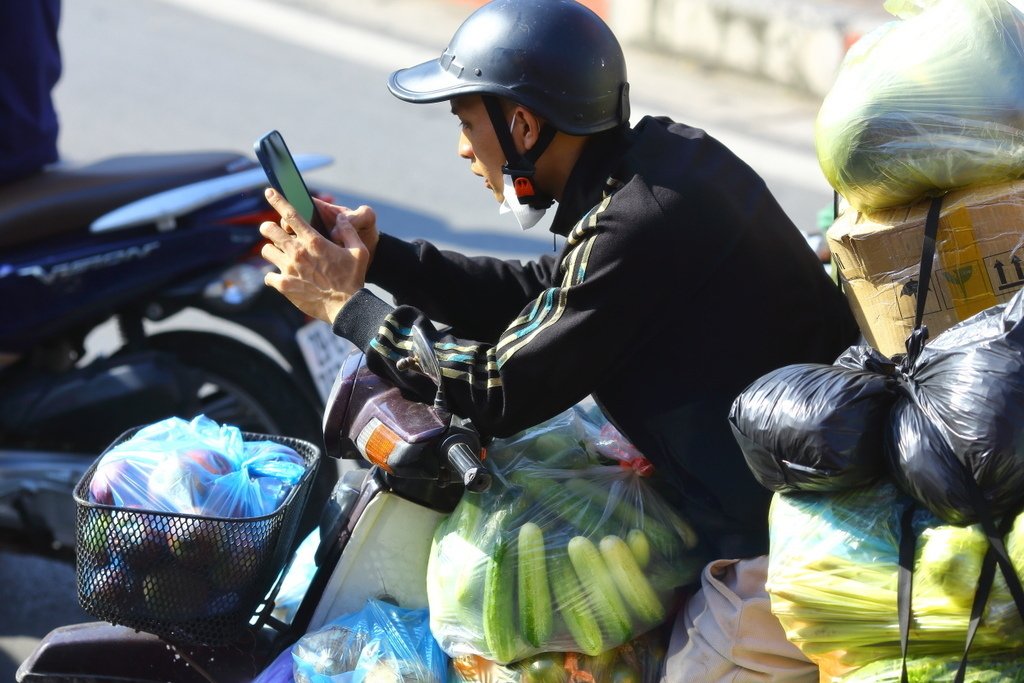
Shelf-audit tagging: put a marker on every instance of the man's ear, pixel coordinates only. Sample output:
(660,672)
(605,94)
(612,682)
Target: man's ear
(525,128)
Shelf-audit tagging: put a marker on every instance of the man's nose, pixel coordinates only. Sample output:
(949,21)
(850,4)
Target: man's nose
(465,149)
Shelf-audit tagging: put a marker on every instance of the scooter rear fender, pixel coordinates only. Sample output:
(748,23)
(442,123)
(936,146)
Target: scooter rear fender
(35,494)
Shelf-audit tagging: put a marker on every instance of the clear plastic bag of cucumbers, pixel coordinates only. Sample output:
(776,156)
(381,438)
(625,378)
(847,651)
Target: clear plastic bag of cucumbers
(569,551)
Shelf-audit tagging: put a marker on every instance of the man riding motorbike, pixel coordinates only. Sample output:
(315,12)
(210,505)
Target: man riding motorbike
(681,280)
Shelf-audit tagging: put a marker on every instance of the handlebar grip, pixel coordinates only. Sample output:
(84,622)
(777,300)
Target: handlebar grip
(473,472)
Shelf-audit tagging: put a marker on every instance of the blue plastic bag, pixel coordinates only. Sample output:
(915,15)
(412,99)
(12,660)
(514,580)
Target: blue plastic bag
(196,467)
(296,580)
(279,670)
(379,642)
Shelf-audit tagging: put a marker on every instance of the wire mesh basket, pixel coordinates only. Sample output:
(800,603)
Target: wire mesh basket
(186,578)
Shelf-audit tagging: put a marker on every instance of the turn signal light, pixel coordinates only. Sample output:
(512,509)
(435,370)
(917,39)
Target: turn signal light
(377,441)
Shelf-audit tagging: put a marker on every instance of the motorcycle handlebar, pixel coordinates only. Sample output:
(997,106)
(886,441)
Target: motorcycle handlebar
(473,472)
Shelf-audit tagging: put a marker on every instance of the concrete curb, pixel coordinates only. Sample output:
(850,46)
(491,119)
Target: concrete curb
(798,43)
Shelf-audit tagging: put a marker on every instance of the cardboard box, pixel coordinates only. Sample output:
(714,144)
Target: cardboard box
(979,261)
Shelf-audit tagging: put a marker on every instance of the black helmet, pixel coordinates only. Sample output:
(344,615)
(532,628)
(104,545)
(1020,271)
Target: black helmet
(555,57)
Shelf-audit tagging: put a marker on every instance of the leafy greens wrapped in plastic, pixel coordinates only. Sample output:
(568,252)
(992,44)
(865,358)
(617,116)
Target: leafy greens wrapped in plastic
(832,579)
(565,553)
(926,104)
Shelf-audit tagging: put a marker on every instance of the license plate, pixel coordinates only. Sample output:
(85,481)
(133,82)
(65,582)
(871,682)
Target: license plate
(324,352)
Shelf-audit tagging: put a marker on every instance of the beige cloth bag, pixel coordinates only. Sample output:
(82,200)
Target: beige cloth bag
(726,632)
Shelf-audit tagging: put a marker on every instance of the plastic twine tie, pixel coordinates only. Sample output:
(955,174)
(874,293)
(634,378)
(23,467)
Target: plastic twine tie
(642,466)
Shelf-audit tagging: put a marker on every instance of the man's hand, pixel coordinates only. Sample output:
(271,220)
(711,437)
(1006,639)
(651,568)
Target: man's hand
(317,275)
(363,219)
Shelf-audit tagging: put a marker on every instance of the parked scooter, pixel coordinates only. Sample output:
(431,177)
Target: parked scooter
(119,245)
(375,537)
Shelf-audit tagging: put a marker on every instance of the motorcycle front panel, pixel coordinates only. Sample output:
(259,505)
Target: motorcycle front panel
(385,558)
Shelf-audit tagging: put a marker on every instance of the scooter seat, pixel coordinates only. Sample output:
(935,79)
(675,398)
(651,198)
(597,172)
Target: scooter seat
(98,651)
(61,200)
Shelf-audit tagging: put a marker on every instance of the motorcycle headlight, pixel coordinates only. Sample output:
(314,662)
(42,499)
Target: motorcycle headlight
(239,284)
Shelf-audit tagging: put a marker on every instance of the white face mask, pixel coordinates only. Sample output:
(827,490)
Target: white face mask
(526,215)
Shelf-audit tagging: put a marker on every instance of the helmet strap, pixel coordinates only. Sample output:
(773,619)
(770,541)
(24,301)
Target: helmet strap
(520,166)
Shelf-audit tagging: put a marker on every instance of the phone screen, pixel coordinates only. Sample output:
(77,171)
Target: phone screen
(284,176)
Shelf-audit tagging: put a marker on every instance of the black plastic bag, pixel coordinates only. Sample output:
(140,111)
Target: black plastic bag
(961,417)
(814,427)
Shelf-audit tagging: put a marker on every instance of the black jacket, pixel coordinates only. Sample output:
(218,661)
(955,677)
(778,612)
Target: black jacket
(681,281)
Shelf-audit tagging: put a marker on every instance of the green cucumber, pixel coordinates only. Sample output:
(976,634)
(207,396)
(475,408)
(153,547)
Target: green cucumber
(499,604)
(584,515)
(535,615)
(573,605)
(598,584)
(466,517)
(639,546)
(487,531)
(670,540)
(630,580)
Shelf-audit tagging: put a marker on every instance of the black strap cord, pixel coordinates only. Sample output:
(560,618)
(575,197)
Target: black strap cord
(905,582)
(981,595)
(915,343)
(917,338)
(996,554)
(520,166)
(995,540)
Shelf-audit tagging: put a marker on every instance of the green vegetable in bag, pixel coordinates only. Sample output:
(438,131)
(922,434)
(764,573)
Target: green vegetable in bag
(1008,669)
(832,579)
(927,104)
(951,558)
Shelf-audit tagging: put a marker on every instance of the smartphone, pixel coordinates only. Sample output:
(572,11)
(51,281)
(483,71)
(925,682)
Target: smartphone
(284,177)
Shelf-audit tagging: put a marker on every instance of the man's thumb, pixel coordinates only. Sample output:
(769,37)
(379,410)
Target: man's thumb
(363,216)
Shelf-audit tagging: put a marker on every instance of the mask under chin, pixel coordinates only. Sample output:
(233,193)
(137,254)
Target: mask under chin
(526,215)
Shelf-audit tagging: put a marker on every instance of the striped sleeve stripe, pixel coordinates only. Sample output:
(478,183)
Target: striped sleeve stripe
(587,224)
(392,340)
(465,366)
(553,307)
(469,378)
(443,347)
(463,362)
(529,316)
(550,305)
